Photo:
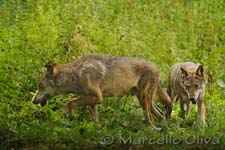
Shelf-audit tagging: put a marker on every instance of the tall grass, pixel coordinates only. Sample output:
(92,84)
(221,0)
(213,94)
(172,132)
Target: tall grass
(164,32)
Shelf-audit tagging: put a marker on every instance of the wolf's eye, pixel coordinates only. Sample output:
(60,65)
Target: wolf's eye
(188,86)
(197,86)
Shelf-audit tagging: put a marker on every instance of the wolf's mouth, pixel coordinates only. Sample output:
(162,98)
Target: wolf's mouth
(193,101)
(44,100)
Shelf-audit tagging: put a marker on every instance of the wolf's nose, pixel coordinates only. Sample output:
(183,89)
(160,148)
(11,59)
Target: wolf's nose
(193,100)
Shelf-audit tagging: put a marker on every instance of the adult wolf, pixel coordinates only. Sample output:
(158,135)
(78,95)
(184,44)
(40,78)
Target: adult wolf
(187,83)
(98,76)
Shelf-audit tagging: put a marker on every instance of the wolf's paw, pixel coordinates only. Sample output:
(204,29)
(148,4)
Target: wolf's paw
(169,111)
(70,117)
(155,129)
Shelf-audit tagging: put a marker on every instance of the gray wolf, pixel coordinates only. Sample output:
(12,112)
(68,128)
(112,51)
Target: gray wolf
(99,76)
(187,83)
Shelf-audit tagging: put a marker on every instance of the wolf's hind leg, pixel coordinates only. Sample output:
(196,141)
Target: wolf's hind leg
(145,104)
(165,99)
(157,112)
(146,91)
(94,111)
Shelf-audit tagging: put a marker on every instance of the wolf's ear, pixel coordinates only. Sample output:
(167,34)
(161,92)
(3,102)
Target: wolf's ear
(184,73)
(51,70)
(200,71)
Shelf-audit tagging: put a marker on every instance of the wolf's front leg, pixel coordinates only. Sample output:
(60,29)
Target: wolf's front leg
(182,109)
(189,106)
(201,112)
(90,100)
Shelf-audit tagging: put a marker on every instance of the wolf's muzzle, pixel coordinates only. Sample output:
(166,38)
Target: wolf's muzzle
(35,102)
(44,100)
(193,100)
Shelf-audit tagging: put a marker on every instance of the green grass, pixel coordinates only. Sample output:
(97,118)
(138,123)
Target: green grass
(164,32)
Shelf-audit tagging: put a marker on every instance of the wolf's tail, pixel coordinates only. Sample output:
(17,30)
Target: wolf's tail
(164,99)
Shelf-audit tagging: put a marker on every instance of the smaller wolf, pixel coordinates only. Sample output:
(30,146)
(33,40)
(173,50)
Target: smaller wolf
(99,76)
(187,83)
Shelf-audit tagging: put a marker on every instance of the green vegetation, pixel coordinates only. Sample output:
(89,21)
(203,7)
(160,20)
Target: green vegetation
(165,32)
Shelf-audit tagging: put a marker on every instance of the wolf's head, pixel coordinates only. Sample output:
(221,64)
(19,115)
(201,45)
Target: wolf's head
(193,83)
(46,88)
